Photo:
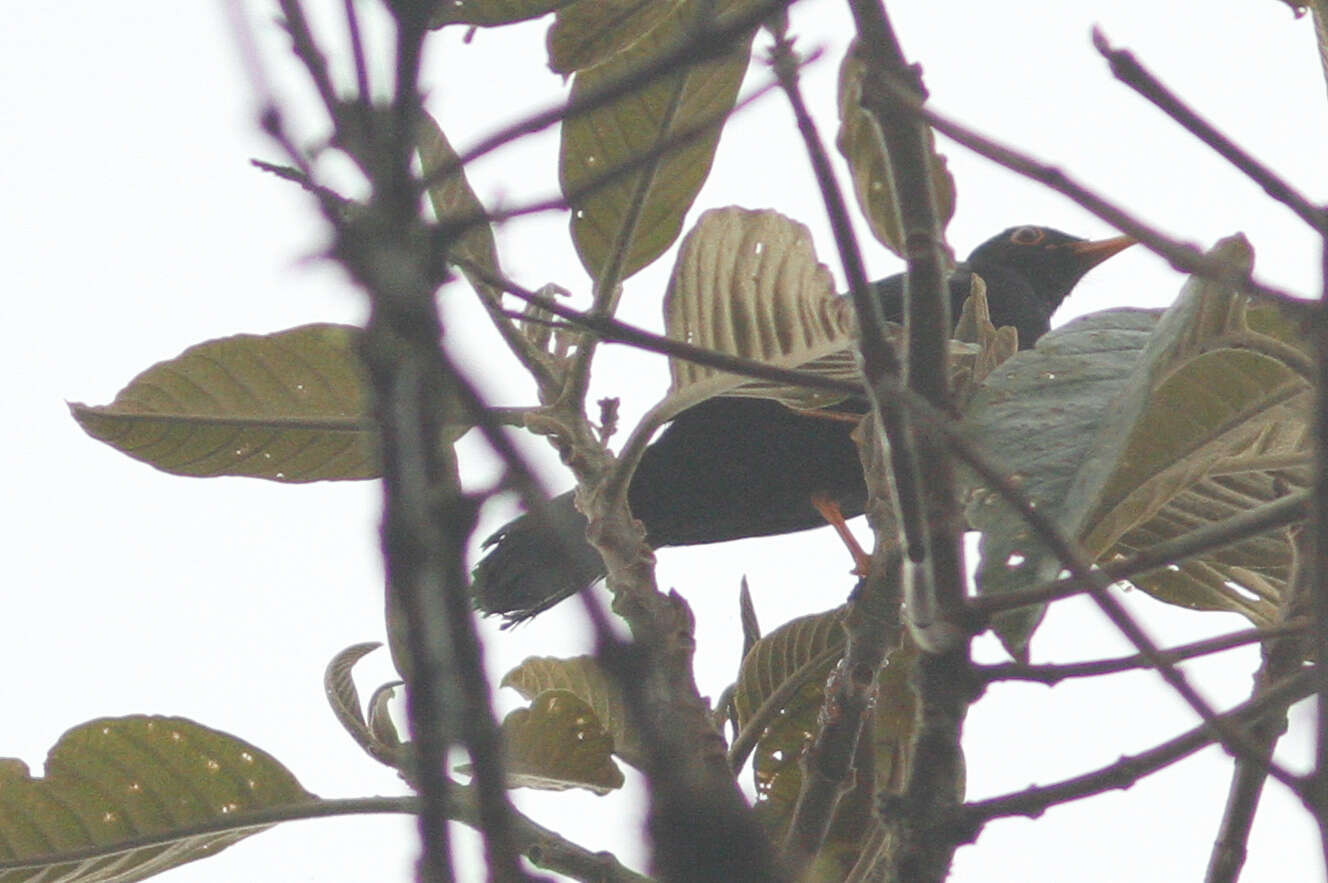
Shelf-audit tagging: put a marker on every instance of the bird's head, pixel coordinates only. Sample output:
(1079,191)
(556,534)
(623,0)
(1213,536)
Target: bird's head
(1050,261)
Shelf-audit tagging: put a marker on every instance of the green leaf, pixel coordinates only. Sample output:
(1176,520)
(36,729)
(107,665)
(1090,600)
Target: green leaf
(1215,421)
(1036,415)
(589,32)
(582,676)
(289,406)
(882,761)
(862,144)
(113,780)
(657,191)
(453,199)
(559,743)
(1129,431)
(492,12)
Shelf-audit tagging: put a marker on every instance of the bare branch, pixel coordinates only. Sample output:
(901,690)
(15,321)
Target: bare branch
(1183,256)
(1129,71)
(1054,674)
(1125,772)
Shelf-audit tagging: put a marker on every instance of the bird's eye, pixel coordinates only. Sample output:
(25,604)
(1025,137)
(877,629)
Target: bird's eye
(1027,236)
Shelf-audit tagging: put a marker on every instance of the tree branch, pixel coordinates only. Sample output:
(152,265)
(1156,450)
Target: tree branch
(1125,772)
(1054,674)
(1126,68)
(1182,256)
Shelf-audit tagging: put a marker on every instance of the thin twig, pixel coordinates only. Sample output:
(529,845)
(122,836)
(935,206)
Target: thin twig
(681,138)
(1054,674)
(1128,770)
(879,356)
(612,330)
(1182,256)
(769,709)
(357,52)
(1126,68)
(307,51)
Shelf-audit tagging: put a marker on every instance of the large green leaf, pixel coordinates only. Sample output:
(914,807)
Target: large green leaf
(1129,432)
(1036,416)
(589,32)
(1215,421)
(622,135)
(289,406)
(116,780)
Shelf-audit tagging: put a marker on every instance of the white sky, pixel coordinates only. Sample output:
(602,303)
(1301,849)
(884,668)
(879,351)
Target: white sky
(134,227)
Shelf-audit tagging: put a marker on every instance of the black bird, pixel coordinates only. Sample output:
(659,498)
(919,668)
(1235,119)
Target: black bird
(735,467)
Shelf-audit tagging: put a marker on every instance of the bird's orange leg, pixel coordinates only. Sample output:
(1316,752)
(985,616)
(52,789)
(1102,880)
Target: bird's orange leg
(831,512)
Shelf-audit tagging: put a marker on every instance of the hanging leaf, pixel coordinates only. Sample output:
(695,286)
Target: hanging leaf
(862,144)
(582,676)
(492,12)
(289,406)
(115,780)
(559,743)
(589,32)
(655,195)
(453,199)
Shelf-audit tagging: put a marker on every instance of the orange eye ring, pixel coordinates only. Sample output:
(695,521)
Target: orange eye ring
(1028,236)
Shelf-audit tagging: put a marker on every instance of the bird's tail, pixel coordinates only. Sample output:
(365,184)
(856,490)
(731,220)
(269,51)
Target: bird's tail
(536,561)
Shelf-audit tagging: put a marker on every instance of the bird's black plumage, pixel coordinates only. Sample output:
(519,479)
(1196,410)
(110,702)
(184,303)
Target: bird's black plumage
(734,467)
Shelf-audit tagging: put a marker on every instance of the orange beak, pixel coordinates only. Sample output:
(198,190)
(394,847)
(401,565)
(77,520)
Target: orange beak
(1094,253)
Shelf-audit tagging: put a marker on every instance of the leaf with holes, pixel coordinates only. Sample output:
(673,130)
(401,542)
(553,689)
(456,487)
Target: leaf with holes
(627,202)
(806,650)
(748,283)
(289,406)
(1216,421)
(1036,416)
(582,676)
(559,743)
(117,780)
